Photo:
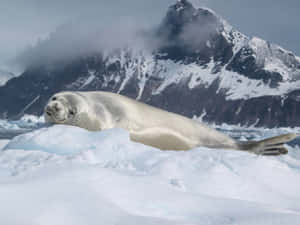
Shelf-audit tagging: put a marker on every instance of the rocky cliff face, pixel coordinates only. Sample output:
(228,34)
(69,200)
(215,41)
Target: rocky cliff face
(200,66)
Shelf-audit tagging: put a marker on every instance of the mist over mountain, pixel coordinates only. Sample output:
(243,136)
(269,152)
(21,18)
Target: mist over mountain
(76,39)
(5,76)
(193,63)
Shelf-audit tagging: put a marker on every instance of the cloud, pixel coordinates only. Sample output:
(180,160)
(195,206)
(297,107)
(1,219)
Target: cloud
(80,38)
(96,33)
(99,32)
(24,23)
(89,25)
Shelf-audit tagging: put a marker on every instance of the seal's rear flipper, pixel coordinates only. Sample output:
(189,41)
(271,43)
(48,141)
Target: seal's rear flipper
(271,146)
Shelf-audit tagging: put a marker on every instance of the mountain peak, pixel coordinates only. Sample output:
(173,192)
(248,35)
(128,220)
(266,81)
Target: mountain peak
(182,4)
(186,31)
(180,13)
(183,14)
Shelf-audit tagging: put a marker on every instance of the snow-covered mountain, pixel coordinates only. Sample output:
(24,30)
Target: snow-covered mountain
(198,65)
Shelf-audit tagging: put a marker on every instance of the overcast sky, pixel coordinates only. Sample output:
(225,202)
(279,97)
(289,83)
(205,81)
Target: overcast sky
(22,22)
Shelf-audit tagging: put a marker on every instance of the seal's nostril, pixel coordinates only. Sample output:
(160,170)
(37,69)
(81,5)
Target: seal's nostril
(49,114)
(56,107)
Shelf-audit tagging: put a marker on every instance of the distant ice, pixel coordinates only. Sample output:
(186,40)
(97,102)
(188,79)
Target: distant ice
(27,123)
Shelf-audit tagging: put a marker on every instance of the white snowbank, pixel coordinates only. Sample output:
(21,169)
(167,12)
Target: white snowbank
(67,175)
(32,119)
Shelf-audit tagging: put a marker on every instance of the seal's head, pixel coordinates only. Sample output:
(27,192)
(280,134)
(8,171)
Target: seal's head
(61,109)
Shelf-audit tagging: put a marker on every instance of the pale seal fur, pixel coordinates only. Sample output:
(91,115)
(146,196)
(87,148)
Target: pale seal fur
(146,124)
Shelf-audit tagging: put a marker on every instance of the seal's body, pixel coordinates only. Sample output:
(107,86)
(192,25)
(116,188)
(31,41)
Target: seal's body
(146,124)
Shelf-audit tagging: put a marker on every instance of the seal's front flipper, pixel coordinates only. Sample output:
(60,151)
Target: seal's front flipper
(269,147)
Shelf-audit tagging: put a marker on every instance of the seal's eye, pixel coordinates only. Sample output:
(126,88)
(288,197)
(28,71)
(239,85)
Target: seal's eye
(72,111)
(54,98)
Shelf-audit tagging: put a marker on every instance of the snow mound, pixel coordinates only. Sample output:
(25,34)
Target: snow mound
(62,139)
(72,176)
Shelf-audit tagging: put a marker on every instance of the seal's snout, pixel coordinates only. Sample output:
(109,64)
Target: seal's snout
(55,111)
(53,107)
(56,107)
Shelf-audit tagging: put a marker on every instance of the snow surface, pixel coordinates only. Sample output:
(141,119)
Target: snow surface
(67,175)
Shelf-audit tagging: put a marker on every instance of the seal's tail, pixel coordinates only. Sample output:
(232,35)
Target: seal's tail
(270,147)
